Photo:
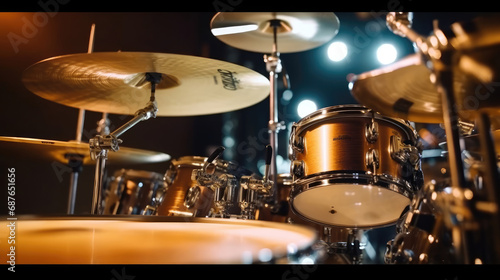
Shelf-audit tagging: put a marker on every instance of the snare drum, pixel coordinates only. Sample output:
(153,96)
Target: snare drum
(353,167)
(132,192)
(185,197)
(155,240)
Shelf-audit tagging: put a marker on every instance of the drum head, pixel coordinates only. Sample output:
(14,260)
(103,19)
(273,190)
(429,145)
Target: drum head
(153,240)
(350,205)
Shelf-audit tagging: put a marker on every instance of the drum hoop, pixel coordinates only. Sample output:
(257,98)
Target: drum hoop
(225,166)
(343,110)
(307,249)
(139,173)
(383,180)
(325,179)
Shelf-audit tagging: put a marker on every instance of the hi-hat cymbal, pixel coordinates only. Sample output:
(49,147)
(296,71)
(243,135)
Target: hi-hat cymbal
(60,151)
(115,82)
(296,31)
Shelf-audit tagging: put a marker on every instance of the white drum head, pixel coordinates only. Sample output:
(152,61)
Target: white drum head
(171,241)
(350,205)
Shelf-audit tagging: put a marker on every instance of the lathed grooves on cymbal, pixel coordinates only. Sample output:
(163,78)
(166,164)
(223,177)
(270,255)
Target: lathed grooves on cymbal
(114,82)
(402,90)
(296,31)
(61,151)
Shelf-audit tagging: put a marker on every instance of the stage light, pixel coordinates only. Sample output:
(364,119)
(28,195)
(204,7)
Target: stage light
(306,107)
(228,141)
(386,54)
(287,95)
(337,51)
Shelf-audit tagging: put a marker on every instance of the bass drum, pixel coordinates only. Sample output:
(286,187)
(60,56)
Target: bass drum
(131,191)
(185,197)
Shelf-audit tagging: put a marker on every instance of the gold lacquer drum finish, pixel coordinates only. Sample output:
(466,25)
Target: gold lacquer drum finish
(184,197)
(353,167)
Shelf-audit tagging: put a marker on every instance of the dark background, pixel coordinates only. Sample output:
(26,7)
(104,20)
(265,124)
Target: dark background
(41,189)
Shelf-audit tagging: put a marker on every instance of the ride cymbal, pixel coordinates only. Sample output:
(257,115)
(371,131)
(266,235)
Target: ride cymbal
(252,31)
(407,89)
(61,151)
(402,89)
(115,82)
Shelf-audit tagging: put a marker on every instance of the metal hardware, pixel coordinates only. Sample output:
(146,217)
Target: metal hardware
(403,153)
(298,168)
(371,130)
(372,160)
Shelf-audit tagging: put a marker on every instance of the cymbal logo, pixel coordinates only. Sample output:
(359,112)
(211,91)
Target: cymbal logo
(228,80)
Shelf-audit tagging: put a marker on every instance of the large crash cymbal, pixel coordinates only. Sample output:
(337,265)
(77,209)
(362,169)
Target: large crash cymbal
(296,32)
(115,82)
(60,151)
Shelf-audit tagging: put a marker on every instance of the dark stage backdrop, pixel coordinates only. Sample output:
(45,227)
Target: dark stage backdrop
(42,186)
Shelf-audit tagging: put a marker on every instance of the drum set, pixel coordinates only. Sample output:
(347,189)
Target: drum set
(353,167)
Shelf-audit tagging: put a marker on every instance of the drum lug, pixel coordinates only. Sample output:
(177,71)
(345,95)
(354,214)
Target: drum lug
(372,160)
(296,143)
(371,132)
(192,196)
(298,168)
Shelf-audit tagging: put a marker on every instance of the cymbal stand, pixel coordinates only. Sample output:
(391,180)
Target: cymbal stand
(486,205)
(100,145)
(461,205)
(273,66)
(75,161)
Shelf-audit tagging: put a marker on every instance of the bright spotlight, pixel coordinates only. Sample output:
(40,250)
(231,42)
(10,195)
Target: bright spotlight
(386,54)
(306,107)
(337,51)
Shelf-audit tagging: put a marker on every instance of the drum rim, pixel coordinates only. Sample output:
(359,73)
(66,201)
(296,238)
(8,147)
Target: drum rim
(123,172)
(199,161)
(305,248)
(403,188)
(330,112)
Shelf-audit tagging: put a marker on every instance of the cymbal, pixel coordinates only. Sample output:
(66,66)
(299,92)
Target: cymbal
(60,150)
(296,32)
(405,90)
(402,89)
(115,82)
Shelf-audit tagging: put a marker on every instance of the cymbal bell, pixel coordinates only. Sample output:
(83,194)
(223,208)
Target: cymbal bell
(61,151)
(115,82)
(295,31)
